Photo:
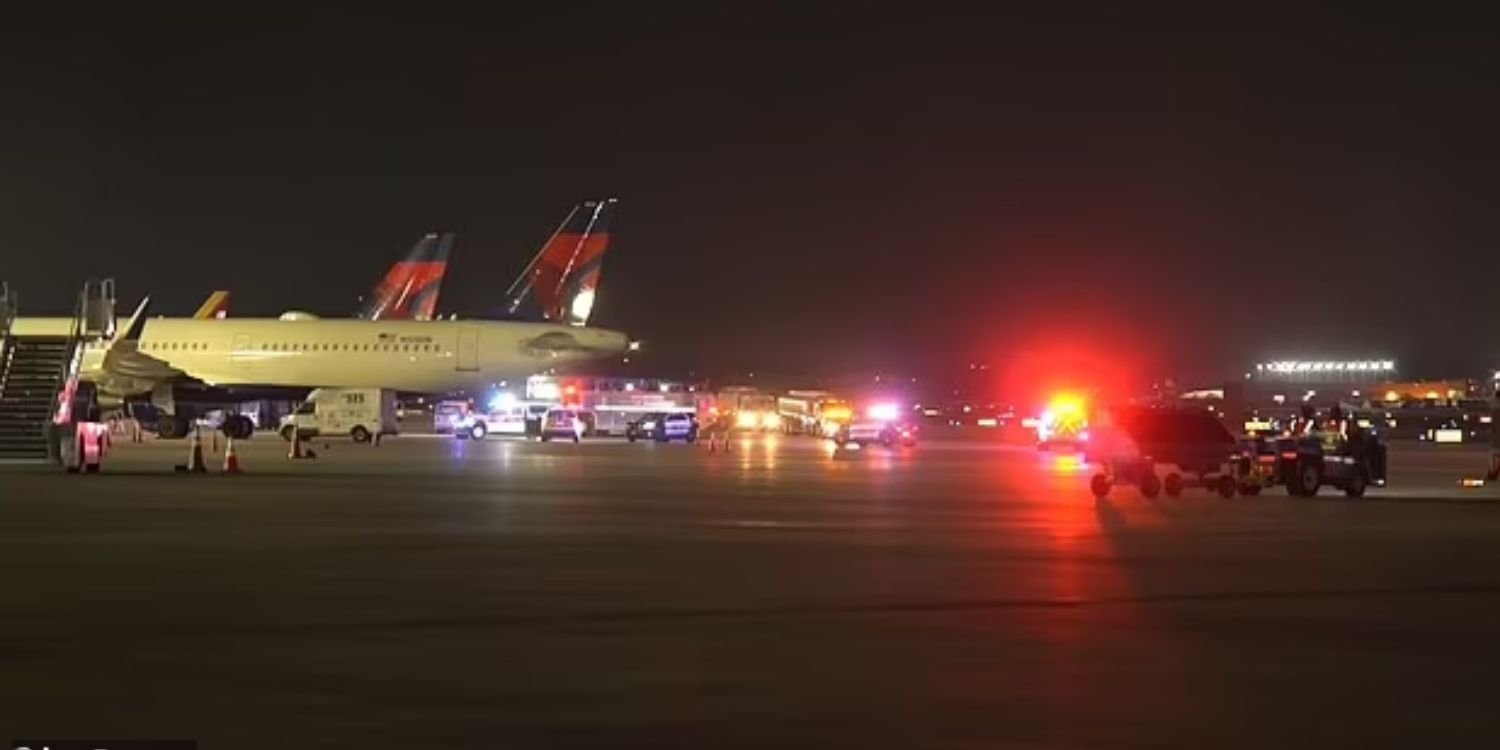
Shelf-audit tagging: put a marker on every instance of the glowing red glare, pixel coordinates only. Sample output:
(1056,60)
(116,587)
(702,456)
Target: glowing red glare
(570,389)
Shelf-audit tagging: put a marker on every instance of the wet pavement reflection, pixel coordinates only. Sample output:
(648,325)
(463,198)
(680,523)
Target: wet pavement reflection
(506,593)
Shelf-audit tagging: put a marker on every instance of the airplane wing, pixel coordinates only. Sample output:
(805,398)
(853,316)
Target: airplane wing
(123,360)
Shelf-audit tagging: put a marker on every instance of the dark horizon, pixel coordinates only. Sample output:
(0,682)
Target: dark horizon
(835,190)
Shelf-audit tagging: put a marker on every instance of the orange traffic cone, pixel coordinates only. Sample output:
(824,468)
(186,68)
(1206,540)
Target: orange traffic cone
(195,454)
(231,461)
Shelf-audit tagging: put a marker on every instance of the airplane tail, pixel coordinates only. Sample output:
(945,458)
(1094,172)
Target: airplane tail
(560,282)
(215,307)
(409,290)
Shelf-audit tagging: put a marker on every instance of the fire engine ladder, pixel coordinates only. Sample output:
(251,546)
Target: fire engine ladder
(36,370)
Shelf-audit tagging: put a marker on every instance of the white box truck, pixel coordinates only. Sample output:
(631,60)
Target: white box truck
(360,413)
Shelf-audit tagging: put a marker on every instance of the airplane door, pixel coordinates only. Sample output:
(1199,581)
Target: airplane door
(239,355)
(468,350)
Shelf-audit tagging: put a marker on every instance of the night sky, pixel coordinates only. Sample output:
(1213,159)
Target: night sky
(802,190)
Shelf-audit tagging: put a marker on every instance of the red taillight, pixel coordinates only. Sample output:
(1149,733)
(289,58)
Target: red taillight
(1270,459)
(1289,454)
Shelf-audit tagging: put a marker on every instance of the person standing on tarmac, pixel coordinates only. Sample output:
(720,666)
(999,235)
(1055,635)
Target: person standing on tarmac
(1305,422)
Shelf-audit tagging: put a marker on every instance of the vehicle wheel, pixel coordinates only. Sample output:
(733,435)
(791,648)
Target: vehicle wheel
(546,438)
(1250,489)
(1226,487)
(359,434)
(692,437)
(1308,479)
(1099,485)
(286,433)
(1357,485)
(575,437)
(1150,486)
(168,426)
(630,437)
(478,431)
(1173,484)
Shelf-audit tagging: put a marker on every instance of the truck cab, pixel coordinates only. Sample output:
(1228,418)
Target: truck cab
(360,413)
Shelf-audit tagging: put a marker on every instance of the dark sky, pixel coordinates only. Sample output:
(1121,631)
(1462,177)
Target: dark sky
(817,188)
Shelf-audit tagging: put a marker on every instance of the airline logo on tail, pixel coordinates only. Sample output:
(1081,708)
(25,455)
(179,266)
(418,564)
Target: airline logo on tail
(560,283)
(410,288)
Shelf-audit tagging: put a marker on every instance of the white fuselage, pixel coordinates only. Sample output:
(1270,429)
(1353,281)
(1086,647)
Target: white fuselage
(417,356)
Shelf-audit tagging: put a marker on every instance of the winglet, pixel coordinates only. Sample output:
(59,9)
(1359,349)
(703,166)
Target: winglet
(137,322)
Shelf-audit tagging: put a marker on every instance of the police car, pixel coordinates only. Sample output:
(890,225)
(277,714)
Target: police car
(663,427)
(561,423)
(879,425)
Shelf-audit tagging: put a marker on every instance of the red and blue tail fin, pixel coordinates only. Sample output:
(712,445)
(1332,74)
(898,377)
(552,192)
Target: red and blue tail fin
(560,282)
(409,290)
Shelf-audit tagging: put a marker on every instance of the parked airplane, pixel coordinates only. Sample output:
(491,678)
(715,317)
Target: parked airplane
(235,359)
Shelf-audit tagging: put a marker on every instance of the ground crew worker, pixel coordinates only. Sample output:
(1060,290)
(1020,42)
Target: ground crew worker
(1304,423)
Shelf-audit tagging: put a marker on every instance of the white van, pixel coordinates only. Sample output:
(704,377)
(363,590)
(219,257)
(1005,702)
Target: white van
(360,413)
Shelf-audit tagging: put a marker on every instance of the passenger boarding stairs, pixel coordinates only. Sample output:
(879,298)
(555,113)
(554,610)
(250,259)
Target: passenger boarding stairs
(29,384)
(36,370)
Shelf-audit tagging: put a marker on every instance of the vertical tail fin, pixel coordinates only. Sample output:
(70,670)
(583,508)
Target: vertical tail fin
(215,307)
(560,282)
(409,290)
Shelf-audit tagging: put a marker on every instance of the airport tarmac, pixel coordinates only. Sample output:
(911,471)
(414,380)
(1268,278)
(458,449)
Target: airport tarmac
(444,593)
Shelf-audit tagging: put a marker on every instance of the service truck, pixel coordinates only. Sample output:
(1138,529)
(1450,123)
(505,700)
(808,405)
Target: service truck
(360,413)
